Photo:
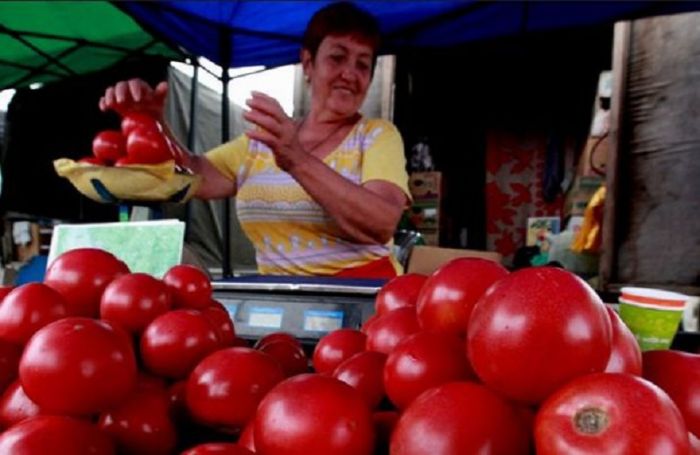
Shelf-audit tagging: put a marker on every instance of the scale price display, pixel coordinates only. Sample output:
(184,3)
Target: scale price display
(268,317)
(322,321)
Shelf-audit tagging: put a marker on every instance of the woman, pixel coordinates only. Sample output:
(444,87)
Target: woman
(320,195)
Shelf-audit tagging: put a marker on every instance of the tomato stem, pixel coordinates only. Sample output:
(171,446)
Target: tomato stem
(591,420)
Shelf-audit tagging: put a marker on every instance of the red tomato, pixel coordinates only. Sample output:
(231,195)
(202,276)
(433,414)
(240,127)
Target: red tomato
(399,292)
(276,336)
(4,290)
(336,347)
(124,161)
(291,358)
(625,354)
(312,414)
(28,308)
(147,381)
(42,435)
(459,418)
(247,437)
(138,120)
(109,145)
(536,330)
(694,444)
(389,330)
(16,406)
(422,361)
(368,322)
(446,299)
(610,413)
(365,372)
(81,275)
(240,342)
(191,288)
(141,424)
(93,161)
(133,300)
(220,319)
(146,146)
(174,342)
(384,424)
(176,395)
(218,448)
(77,366)
(9,362)
(678,374)
(225,388)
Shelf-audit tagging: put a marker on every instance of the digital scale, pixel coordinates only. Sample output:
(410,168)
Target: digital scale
(306,307)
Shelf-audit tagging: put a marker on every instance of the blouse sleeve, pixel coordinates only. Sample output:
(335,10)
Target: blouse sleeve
(229,158)
(384,157)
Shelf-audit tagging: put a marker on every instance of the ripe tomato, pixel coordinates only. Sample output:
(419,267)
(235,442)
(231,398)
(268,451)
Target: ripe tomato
(174,342)
(9,362)
(4,290)
(365,372)
(247,437)
(218,448)
(625,354)
(191,288)
(225,388)
(610,413)
(291,357)
(141,423)
(138,120)
(41,435)
(335,347)
(133,300)
(389,330)
(678,374)
(399,292)
(422,361)
(77,366)
(16,406)
(28,308)
(109,145)
(276,336)
(81,275)
(312,414)
(220,319)
(449,294)
(459,418)
(146,146)
(536,330)
(368,322)
(176,396)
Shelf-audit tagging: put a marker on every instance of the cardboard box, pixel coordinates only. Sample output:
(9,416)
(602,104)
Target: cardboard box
(425,185)
(427,259)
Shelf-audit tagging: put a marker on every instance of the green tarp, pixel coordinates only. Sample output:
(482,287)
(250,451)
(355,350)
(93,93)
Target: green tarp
(51,40)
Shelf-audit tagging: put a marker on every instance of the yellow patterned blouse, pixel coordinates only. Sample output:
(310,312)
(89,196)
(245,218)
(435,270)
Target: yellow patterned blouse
(291,233)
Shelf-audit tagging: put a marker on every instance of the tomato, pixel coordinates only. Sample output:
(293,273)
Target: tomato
(138,120)
(42,435)
(368,322)
(422,361)
(191,288)
(109,145)
(459,418)
(147,381)
(218,448)
(399,292)
(389,330)
(28,308)
(446,299)
(276,336)
(16,406)
(174,342)
(4,290)
(694,444)
(146,146)
(81,275)
(365,372)
(625,354)
(535,330)
(610,413)
(141,423)
(225,388)
(9,362)
(77,366)
(384,424)
(133,300)
(220,319)
(176,396)
(124,161)
(678,374)
(291,358)
(247,437)
(312,414)
(336,347)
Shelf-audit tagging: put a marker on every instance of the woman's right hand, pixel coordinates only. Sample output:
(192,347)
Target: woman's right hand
(135,95)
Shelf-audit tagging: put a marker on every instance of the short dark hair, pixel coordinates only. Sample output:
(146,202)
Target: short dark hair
(341,18)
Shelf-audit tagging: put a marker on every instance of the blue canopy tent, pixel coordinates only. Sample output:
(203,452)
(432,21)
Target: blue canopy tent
(247,33)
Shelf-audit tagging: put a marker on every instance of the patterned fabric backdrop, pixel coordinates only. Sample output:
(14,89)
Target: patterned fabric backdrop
(515,169)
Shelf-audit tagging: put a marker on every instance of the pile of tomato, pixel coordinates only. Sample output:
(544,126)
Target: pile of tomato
(470,360)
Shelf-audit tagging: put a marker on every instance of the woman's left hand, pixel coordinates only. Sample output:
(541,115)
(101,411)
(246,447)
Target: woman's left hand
(274,129)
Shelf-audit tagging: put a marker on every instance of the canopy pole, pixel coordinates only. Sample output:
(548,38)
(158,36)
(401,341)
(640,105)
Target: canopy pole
(190,133)
(225,46)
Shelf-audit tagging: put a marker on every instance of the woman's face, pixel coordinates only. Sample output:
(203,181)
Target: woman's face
(339,75)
